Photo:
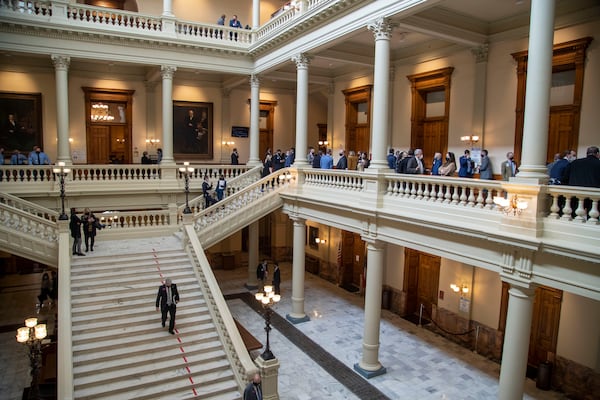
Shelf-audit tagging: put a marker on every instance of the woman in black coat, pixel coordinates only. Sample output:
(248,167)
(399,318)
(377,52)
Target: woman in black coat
(90,224)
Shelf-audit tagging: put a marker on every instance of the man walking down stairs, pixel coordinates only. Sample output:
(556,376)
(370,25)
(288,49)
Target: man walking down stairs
(120,350)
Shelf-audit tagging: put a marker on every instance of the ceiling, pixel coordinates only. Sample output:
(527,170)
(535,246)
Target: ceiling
(416,38)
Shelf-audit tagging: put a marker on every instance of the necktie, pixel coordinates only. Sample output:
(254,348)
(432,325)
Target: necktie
(38,154)
(169,296)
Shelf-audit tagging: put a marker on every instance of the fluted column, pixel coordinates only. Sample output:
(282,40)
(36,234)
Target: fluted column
(481,61)
(65,344)
(330,112)
(168,8)
(298,315)
(370,366)
(302,62)
(167,72)
(251,282)
(537,100)
(382,29)
(516,343)
(61,69)
(254,157)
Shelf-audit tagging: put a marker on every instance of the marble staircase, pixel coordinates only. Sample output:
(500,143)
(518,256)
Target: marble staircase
(120,350)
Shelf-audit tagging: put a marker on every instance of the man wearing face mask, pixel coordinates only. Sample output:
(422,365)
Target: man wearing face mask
(415,164)
(253,390)
(38,157)
(558,170)
(342,162)
(509,167)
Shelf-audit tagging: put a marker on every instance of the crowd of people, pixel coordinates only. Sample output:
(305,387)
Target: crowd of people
(35,157)
(566,169)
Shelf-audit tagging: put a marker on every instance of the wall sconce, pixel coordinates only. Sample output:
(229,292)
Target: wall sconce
(151,142)
(71,140)
(463,289)
(323,142)
(512,206)
(286,177)
(319,240)
(470,139)
(121,140)
(227,143)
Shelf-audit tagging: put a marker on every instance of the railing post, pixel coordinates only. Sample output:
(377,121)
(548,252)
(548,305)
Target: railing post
(60,10)
(269,373)
(65,349)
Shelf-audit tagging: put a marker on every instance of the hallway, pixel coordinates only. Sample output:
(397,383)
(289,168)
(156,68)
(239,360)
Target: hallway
(420,364)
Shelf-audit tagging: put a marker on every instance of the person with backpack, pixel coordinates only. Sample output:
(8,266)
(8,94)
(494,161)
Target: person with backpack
(221,185)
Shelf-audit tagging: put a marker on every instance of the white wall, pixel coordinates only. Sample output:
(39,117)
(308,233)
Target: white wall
(579,331)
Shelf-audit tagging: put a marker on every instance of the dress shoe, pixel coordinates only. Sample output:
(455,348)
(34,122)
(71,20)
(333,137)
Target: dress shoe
(171,332)
(75,253)
(92,249)
(86,249)
(163,324)
(80,254)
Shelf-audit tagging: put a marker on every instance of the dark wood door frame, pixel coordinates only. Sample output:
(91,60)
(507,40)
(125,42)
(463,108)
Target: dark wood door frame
(355,96)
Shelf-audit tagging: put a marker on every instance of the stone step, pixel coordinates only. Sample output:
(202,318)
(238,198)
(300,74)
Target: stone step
(114,263)
(95,259)
(195,300)
(124,296)
(149,338)
(118,315)
(157,366)
(163,385)
(100,331)
(144,282)
(119,363)
(81,358)
(80,278)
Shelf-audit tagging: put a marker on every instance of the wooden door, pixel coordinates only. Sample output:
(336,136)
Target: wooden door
(421,280)
(545,323)
(98,145)
(266,124)
(358,119)
(118,149)
(347,273)
(562,130)
(430,111)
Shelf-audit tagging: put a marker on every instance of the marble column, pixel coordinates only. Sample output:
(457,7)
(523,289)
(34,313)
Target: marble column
(298,315)
(255,14)
(481,57)
(330,112)
(302,62)
(516,343)
(537,100)
(254,157)
(167,72)
(225,126)
(370,366)
(251,281)
(382,29)
(151,131)
(61,69)
(168,8)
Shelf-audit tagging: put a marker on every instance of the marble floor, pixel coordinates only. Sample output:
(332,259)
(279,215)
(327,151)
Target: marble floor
(420,364)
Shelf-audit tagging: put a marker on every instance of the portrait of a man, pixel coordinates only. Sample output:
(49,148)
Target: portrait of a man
(192,130)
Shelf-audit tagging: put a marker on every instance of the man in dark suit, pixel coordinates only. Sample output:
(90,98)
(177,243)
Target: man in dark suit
(167,298)
(253,390)
(277,279)
(585,171)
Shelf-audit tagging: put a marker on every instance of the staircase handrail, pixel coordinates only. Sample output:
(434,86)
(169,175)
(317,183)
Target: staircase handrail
(234,185)
(28,207)
(242,365)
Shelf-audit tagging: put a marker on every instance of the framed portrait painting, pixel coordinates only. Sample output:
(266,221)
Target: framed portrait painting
(192,130)
(21,116)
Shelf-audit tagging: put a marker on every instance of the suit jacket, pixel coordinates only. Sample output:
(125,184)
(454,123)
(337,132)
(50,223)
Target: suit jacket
(342,163)
(412,166)
(507,170)
(161,297)
(466,167)
(485,169)
(276,276)
(584,172)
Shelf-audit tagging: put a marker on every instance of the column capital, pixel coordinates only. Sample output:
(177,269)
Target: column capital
(480,53)
(297,220)
(225,92)
(382,28)
(167,71)
(302,60)
(61,62)
(331,88)
(254,80)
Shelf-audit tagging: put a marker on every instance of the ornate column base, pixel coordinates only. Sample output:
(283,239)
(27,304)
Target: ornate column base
(297,319)
(367,373)
(269,372)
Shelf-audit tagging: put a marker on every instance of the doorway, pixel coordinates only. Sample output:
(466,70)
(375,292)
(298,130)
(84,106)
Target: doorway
(353,260)
(430,111)
(421,281)
(108,125)
(568,64)
(358,119)
(266,127)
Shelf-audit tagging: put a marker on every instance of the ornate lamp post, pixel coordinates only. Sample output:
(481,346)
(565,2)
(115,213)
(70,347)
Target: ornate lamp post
(186,170)
(62,172)
(32,335)
(267,298)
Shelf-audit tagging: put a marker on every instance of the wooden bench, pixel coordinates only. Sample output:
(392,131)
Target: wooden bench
(250,341)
